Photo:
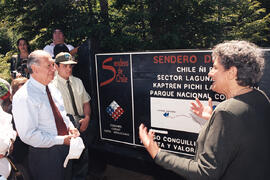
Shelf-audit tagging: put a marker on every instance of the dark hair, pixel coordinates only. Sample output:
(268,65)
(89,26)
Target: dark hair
(245,56)
(60,29)
(59,48)
(27,43)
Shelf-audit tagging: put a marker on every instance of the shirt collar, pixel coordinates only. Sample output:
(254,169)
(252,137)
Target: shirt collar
(38,84)
(62,80)
(52,44)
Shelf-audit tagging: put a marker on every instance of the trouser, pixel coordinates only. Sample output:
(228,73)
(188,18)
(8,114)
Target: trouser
(47,163)
(80,166)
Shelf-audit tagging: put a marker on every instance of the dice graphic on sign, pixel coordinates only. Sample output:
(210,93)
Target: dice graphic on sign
(114,110)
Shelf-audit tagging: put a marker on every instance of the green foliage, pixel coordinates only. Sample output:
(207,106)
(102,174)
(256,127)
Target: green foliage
(4,67)
(6,46)
(135,25)
(265,4)
(5,41)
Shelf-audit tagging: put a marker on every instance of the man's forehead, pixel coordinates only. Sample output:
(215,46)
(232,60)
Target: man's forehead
(46,59)
(66,65)
(57,31)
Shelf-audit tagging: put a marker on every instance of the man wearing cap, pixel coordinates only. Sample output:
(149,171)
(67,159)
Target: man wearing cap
(41,120)
(76,102)
(59,38)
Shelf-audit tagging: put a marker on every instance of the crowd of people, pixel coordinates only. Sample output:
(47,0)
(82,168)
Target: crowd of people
(43,110)
(46,107)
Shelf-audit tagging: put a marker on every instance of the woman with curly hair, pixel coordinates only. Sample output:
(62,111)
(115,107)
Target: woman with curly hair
(235,141)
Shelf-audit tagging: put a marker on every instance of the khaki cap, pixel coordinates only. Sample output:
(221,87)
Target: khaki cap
(64,58)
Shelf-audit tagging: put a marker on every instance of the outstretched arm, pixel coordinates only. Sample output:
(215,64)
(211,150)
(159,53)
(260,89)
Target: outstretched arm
(202,111)
(147,139)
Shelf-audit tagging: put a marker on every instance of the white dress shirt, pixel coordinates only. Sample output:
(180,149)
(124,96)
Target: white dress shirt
(49,48)
(6,131)
(80,94)
(33,114)
(6,135)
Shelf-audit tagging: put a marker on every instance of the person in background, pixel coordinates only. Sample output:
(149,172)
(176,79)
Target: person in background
(41,121)
(59,48)
(5,98)
(235,141)
(59,38)
(76,102)
(5,82)
(16,84)
(19,154)
(18,62)
(7,136)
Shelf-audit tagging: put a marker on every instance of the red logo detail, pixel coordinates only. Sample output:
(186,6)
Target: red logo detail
(107,67)
(118,75)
